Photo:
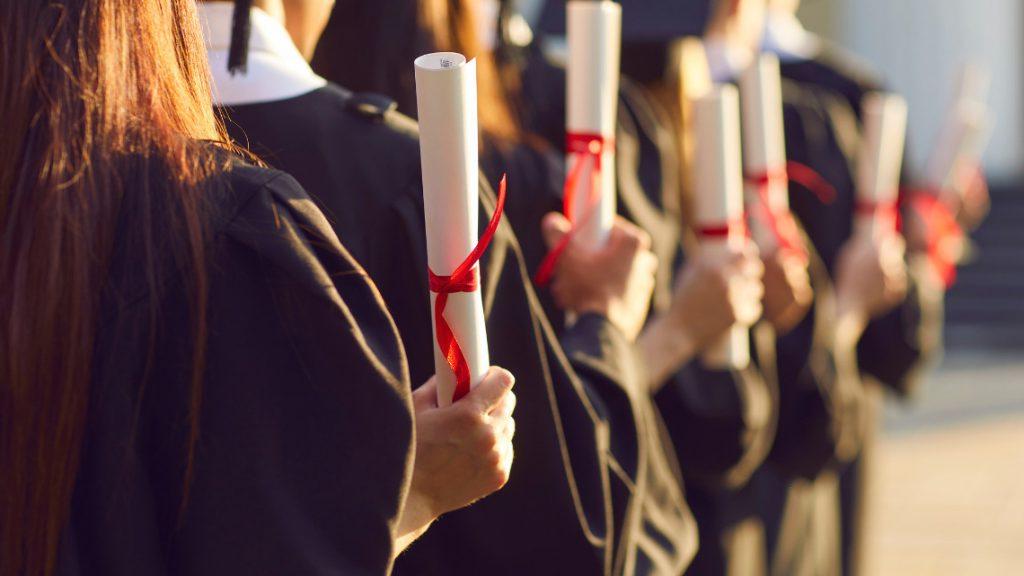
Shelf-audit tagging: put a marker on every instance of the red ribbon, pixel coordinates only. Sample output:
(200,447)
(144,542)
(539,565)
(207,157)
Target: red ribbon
(941,231)
(581,147)
(725,229)
(782,224)
(465,278)
(877,209)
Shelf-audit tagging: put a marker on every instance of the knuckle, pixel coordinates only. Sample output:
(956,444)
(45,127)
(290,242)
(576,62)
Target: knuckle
(511,400)
(506,379)
(469,418)
(490,439)
(493,460)
(500,478)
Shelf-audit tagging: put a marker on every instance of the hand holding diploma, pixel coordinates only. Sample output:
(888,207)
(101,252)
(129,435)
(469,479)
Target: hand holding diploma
(615,280)
(788,293)
(718,204)
(594,32)
(871,276)
(463,451)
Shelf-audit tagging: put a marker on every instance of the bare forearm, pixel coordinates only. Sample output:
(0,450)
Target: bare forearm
(666,347)
(415,520)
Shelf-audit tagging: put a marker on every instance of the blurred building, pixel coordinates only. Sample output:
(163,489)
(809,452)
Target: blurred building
(920,47)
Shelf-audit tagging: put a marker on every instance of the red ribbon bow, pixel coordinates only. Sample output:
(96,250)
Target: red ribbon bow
(782,224)
(942,231)
(465,278)
(581,147)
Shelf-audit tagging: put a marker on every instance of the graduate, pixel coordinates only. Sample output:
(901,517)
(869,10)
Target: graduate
(869,282)
(895,349)
(196,376)
(581,498)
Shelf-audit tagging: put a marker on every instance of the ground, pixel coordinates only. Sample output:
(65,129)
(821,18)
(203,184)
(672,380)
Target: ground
(948,490)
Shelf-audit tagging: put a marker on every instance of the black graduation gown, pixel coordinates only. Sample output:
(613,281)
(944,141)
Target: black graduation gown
(823,132)
(575,502)
(721,422)
(304,452)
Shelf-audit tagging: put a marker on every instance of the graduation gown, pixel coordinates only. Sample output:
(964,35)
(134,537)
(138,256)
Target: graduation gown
(816,422)
(305,431)
(823,132)
(582,497)
(721,423)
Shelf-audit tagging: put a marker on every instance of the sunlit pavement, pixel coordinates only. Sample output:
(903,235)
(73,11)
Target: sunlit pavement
(948,488)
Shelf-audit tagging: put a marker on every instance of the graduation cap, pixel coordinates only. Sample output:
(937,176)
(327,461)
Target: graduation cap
(241,29)
(643,21)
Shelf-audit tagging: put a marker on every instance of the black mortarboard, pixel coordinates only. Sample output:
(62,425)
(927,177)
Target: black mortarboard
(643,21)
(241,28)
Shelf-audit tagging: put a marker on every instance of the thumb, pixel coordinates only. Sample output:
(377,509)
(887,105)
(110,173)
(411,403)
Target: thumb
(486,395)
(554,227)
(425,397)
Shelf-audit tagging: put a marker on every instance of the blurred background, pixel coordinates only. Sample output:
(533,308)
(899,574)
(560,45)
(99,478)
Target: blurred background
(948,486)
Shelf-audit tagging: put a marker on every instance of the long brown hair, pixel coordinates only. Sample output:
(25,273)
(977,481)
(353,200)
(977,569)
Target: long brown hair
(370,47)
(95,94)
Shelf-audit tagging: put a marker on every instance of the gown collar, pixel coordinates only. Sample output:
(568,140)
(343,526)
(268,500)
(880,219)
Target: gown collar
(786,37)
(276,69)
(725,62)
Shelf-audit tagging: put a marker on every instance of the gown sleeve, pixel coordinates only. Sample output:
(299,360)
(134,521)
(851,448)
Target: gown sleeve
(303,455)
(898,347)
(820,395)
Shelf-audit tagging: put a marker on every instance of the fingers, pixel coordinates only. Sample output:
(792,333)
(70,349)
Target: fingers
(747,296)
(554,227)
(505,407)
(630,234)
(425,397)
(750,265)
(497,384)
(647,263)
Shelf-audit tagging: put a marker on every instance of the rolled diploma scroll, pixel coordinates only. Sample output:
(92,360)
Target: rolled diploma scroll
(718,199)
(973,83)
(694,78)
(960,143)
(594,32)
(764,143)
(879,163)
(446,104)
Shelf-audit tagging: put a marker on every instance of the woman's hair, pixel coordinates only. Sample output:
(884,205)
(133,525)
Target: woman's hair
(370,47)
(96,96)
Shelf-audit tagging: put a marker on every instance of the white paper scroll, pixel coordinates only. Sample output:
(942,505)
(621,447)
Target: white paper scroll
(692,80)
(718,200)
(594,32)
(961,141)
(446,104)
(764,143)
(879,163)
(973,83)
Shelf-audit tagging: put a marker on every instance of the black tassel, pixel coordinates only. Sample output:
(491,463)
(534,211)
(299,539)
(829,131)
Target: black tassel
(241,28)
